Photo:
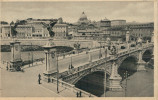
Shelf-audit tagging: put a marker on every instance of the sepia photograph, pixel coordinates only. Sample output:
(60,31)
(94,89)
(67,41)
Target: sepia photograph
(77,49)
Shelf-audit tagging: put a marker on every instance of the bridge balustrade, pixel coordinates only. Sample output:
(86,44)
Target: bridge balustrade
(84,93)
(82,69)
(72,88)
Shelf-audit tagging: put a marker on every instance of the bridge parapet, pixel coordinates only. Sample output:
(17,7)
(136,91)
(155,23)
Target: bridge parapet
(73,73)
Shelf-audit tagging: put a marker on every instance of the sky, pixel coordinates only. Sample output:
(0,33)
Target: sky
(71,11)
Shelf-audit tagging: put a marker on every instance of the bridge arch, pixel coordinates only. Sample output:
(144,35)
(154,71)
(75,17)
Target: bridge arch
(129,64)
(147,55)
(90,72)
(121,60)
(93,81)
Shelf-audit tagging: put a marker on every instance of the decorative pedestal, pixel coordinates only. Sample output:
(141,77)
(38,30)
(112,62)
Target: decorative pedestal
(115,79)
(141,65)
(114,83)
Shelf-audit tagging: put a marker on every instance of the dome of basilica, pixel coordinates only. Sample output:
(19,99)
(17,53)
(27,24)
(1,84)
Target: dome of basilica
(83,16)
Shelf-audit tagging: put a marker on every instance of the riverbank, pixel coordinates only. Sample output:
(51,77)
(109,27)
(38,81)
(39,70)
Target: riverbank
(24,48)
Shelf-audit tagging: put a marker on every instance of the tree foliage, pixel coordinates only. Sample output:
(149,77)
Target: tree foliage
(49,28)
(77,46)
(4,23)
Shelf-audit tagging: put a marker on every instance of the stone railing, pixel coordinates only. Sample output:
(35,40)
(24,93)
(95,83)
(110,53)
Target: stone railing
(72,88)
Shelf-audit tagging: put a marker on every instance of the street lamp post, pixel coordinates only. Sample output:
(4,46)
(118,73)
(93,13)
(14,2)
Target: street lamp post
(32,54)
(105,83)
(100,55)
(126,78)
(57,76)
(29,58)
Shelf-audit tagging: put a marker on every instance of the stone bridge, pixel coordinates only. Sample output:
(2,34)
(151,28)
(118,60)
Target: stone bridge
(108,64)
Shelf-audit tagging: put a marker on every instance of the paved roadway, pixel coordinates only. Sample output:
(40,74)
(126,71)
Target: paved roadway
(81,59)
(25,84)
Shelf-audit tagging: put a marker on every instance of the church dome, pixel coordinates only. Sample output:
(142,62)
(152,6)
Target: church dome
(83,16)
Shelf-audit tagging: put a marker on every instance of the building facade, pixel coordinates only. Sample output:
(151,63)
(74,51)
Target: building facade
(24,31)
(5,31)
(141,30)
(118,22)
(60,30)
(104,23)
(39,30)
(29,30)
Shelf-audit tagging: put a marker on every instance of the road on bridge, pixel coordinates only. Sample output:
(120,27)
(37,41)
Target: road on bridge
(81,59)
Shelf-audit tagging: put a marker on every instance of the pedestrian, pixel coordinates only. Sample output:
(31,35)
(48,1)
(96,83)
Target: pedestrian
(69,67)
(39,81)
(80,94)
(39,76)
(72,67)
(77,94)
(7,66)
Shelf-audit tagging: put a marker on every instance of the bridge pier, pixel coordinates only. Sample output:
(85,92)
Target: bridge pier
(115,79)
(141,64)
(50,60)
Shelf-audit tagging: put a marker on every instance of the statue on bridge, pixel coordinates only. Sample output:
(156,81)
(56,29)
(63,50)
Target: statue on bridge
(113,49)
(108,41)
(139,42)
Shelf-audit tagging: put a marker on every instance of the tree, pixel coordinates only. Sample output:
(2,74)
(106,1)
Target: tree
(13,28)
(49,28)
(77,46)
(4,23)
